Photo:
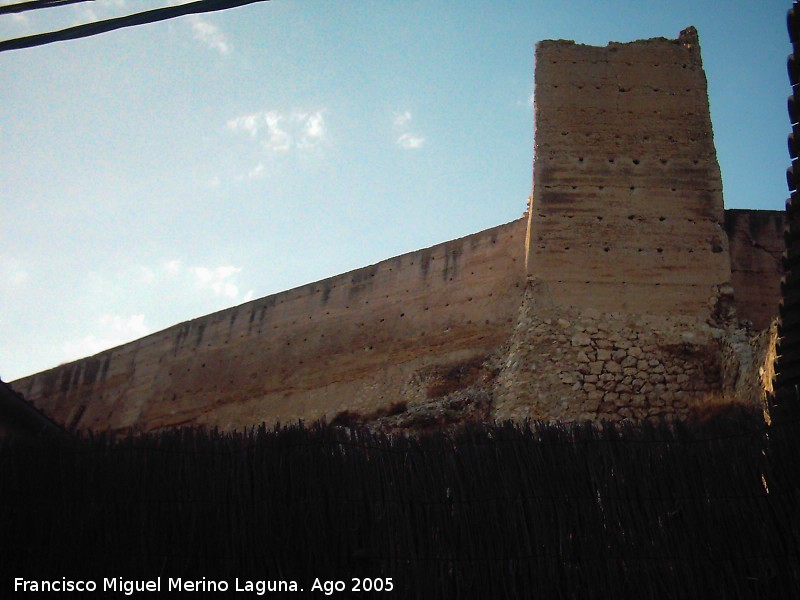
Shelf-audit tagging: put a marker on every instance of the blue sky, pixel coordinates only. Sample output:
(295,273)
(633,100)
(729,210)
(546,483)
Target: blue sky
(155,174)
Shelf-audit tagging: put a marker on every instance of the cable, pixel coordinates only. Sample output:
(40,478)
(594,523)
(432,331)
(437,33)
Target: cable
(19,7)
(35,5)
(150,16)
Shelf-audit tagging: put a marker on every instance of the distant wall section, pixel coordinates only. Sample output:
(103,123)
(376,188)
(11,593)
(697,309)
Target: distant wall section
(352,342)
(756,247)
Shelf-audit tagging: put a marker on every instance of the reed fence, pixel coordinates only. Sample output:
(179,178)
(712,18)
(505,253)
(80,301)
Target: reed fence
(492,511)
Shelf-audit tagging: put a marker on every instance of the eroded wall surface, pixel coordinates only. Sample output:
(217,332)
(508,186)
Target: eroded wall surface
(756,247)
(352,342)
(627,200)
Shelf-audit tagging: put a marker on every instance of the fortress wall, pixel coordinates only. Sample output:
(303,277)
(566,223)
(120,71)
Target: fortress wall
(354,342)
(627,201)
(756,247)
(613,300)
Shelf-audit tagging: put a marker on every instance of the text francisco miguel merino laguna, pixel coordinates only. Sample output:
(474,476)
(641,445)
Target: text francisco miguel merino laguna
(177,584)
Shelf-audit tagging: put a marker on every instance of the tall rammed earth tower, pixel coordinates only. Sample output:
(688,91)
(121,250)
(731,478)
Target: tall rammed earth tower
(627,207)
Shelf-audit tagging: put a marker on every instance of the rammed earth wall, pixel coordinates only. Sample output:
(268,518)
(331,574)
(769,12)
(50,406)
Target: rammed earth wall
(619,296)
(352,342)
(756,247)
(627,201)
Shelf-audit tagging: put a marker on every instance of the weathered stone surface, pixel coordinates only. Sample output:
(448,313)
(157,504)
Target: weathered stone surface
(612,367)
(581,339)
(606,136)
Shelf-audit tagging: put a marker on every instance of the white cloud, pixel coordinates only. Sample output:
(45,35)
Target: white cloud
(402,119)
(119,307)
(406,139)
(256,172)
(247,123)
(279,133)
(314,129)
(218,280)
(278,139)
(172,267)
(130,326)
(221,281)
(409,141)
(209,34)
(109,331)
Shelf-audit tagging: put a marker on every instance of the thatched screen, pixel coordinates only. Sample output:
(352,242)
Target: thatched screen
(493,511)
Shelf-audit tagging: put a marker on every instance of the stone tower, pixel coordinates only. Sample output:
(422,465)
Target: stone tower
(627,208)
